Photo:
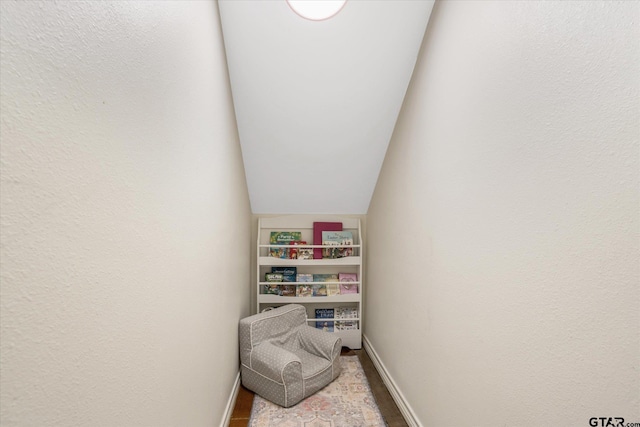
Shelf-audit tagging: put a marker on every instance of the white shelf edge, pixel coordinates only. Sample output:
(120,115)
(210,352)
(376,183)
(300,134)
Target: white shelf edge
(306,283)
(305,246)
(282,262)
(277,299)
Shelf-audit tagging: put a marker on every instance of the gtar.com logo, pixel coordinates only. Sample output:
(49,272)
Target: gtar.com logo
(606,422)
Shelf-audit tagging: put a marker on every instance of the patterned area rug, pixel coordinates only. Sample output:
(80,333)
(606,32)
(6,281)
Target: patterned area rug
(346,402)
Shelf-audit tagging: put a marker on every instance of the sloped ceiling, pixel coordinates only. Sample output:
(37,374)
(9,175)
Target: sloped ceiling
(316,101)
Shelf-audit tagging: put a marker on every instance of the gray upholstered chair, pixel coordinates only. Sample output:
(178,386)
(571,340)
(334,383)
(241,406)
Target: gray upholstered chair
(285,360)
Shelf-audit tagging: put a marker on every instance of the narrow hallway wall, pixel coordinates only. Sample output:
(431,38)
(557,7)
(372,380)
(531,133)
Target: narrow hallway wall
(503,236)
(125,215)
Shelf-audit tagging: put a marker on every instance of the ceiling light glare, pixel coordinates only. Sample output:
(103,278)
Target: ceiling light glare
(316,10)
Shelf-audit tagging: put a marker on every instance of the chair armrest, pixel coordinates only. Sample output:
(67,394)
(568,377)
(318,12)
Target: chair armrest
(271,361)
(320,343)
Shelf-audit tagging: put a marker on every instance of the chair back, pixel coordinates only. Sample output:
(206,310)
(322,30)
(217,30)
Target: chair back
(278,325)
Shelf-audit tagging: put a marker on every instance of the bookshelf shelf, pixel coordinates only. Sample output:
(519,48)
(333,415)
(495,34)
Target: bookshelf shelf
(271,261)
(277,299)
(351,338)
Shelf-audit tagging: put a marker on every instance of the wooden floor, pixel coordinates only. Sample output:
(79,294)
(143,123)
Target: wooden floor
(392,416)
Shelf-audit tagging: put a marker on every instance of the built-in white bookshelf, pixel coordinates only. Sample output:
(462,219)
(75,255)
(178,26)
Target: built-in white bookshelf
(351,338)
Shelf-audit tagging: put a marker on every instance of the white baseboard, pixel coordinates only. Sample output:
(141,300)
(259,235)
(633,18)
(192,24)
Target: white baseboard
(231,403)
(403,406)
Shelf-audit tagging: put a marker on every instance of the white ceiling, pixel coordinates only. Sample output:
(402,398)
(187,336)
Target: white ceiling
(316,101)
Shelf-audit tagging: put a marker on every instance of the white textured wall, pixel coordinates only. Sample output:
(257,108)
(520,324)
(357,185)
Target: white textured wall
(503,236)
(125,215)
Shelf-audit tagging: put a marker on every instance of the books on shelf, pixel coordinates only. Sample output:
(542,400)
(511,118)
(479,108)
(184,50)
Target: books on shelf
(271,289)
(348,288)
(305,253)
(282,282)
(288,273)
(291,270)
(282,238)
(304,291)
(273,277)
(325,313)
(293,250)
(337,238)
(330,281)
(304,277)
(346,313)
(326,277)
(342,318)
(288,290)
(348,325)
(333,289)
(319,290)
(347,283)
(318,228)
(348,277)
(300,252)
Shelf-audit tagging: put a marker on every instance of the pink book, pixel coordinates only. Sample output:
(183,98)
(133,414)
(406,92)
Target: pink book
(347,285)
(318,228)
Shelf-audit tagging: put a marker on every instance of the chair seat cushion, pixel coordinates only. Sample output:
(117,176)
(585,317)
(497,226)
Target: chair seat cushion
(312,365)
